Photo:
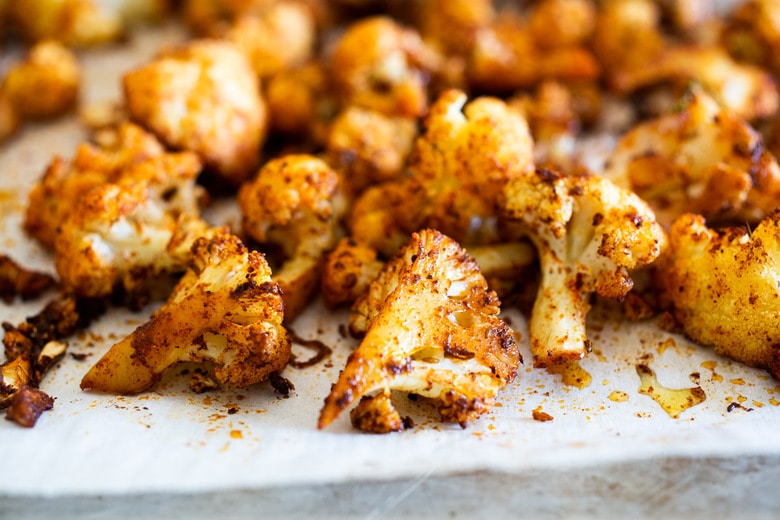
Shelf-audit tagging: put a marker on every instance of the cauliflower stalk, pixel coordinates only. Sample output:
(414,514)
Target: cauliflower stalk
(431,328)
(588,233)
(723,287)
(226,310)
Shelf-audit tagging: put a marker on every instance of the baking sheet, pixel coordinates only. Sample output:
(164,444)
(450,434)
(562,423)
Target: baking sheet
(171,440)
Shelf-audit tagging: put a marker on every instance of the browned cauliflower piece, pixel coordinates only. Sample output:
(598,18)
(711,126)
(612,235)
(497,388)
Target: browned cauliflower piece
(702,159)
(225,311)
(368,147)
(300,102)
(203,97)
(72,22)
(45,83)
(752,33)
(432,329)
(465,156)
(747,90)
(119,233)
(64,184)
(295,203)
(506,57)
(627,35)
(280,38)
(9,118)
(81,23)
(348,271)
(723,287)
(210,17)
(561,23)
(381,65)
(458,167)
(588,234)
(453,24)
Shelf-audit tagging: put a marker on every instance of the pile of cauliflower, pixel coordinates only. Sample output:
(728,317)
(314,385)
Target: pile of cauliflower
(416,171)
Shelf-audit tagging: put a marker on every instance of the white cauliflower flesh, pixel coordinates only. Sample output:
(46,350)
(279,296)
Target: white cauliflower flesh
(432,329)
(120,233)
(588,233)
(226,310)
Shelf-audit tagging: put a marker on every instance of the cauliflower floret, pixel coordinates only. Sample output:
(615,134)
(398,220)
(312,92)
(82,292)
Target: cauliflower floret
(348,271)
(453,24)
(225,310)
(432,328)
(368,147)
(752,33)
(723,287)
(463,160)
(120,232)
(64,184)
(295,202)
(9,118)
(81,22)
(45,83)
(561,23)
(588,233)
(380,65)
(280,38)
(743,88)
(457,170)
(702,159)
(506,57)
(203,97)
(300,102)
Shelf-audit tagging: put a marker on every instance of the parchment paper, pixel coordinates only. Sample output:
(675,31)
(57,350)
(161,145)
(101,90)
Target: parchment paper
(172,440)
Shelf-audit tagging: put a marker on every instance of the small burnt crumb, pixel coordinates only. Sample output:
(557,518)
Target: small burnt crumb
(283,386)
(541,416)
(343,332)
(322,351)
(734,405)
(598,218)
(408,423)
(232,410)
(80,356)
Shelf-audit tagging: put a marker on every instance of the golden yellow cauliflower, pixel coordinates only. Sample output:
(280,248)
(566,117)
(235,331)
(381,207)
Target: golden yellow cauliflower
(701,159)
(225,312)
(431,328)
(203,97)
(724,287)
(45,83)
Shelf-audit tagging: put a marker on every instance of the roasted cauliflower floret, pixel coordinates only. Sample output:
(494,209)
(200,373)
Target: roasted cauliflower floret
(295,203)
(280,38)
(300,102)
(453,24)
(466,155)
(702,159)
(368,147)
(431,328)
(203,97)
(752,33)
(225,311)
(348,271)
(380,65)
(723,287)
(72,22)
(9,118)
(119,233)
(588,234)
(745,89)
(64,184)
(45,83)
(562,23)
(506,57)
